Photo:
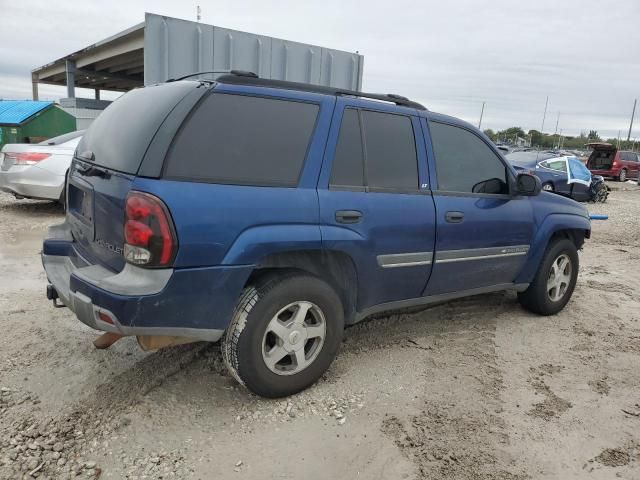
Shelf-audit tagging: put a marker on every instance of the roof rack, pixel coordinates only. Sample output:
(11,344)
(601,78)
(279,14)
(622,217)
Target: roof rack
(239,73)
(238,77)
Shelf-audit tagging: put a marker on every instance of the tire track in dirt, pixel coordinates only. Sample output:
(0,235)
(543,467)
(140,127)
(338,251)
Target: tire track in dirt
(459,433)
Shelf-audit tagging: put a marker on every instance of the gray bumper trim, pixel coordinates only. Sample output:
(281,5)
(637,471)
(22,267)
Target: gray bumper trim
(132,281)
(87,313)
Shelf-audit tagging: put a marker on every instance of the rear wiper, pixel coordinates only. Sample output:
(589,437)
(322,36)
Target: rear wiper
(87,155)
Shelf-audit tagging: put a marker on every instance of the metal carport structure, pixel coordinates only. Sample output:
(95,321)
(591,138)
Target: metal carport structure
(163,47)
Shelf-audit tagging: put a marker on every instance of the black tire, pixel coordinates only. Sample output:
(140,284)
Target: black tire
(62,201)
(549,187)
(242,345)
(622,176)
(536,298)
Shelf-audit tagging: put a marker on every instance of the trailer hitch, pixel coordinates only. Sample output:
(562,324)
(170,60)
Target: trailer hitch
(52,294)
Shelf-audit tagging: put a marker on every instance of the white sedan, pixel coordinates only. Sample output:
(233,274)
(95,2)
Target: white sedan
(38,170)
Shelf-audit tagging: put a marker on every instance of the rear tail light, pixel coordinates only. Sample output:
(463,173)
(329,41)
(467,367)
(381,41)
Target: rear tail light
(149,235)
(26,158)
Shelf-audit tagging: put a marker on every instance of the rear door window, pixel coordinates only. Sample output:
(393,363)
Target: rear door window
(348,162)
(385,142)
(390,151)
(243,140)
(559,165)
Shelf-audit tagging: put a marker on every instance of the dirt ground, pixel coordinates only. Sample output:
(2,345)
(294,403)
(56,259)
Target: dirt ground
(473,389)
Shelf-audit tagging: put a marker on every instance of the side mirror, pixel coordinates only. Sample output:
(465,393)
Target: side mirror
(493,185)
(528,185)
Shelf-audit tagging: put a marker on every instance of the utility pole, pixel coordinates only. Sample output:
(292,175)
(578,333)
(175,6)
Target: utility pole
(482,113)
(633,113)
(544,115)
(618,145)
(198,13)
(557,122)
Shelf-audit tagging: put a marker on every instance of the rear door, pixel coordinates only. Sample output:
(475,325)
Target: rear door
(484,233)
(630,162)
(375,204)
(107,159)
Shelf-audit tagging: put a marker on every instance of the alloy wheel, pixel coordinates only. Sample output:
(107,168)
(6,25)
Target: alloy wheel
(293,338)
(559,278)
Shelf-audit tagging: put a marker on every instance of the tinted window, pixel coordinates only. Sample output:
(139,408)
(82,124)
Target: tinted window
(628,156)
(121,134)
(243,140)
(348,162)
(390,151)
(464,163)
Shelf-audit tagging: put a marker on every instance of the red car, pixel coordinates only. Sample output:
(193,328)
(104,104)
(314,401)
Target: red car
(608,161)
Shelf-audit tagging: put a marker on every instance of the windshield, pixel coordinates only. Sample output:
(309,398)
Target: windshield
(522,158)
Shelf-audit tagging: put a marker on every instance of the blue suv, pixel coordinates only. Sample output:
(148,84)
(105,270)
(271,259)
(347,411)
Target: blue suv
(270,215)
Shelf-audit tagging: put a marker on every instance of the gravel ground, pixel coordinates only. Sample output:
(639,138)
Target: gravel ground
(473,389)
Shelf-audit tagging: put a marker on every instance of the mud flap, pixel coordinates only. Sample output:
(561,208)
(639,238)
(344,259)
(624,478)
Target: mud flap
(155,342)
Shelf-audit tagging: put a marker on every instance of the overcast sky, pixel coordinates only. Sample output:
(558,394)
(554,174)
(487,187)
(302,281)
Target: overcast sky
(450,55)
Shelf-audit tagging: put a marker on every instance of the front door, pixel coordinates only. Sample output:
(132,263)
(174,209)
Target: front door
(483,231)
(372,206)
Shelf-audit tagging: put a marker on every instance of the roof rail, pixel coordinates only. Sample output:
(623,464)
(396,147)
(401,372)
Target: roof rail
(240,73)
(249,78)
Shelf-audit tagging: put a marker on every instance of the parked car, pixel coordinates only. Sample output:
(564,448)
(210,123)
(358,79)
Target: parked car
(270,214)
(608,161)
(552,171)
(38,170)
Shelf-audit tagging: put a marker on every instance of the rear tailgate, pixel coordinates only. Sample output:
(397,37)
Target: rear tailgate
(107,160)
(601,157)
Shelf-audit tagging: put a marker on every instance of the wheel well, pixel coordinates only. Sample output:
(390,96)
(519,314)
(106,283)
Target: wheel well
(577,236)
(335,268)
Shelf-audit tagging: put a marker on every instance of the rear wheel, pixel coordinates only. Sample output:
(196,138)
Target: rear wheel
(548,187)
(622,176)
(284,334)
(555,279)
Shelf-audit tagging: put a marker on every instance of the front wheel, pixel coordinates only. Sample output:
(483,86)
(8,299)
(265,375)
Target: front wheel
(284,334)
(555,279)
(547,187)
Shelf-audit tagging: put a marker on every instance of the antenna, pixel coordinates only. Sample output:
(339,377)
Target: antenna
(198,13)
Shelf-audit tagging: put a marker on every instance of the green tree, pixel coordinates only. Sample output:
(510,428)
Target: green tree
(593,135)
(490,133)
(536,137)
(511,133)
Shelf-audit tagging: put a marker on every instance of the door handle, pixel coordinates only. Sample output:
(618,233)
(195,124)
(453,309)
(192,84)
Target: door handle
(348,216)
(454,217)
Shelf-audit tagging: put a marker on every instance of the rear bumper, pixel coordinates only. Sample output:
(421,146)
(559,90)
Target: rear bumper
(31,182)
(196,303)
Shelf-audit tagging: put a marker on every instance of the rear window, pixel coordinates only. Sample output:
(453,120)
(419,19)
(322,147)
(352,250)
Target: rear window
(243,140)
(120,135)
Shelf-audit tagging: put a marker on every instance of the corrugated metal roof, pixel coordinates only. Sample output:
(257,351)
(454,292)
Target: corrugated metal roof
(14,112)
